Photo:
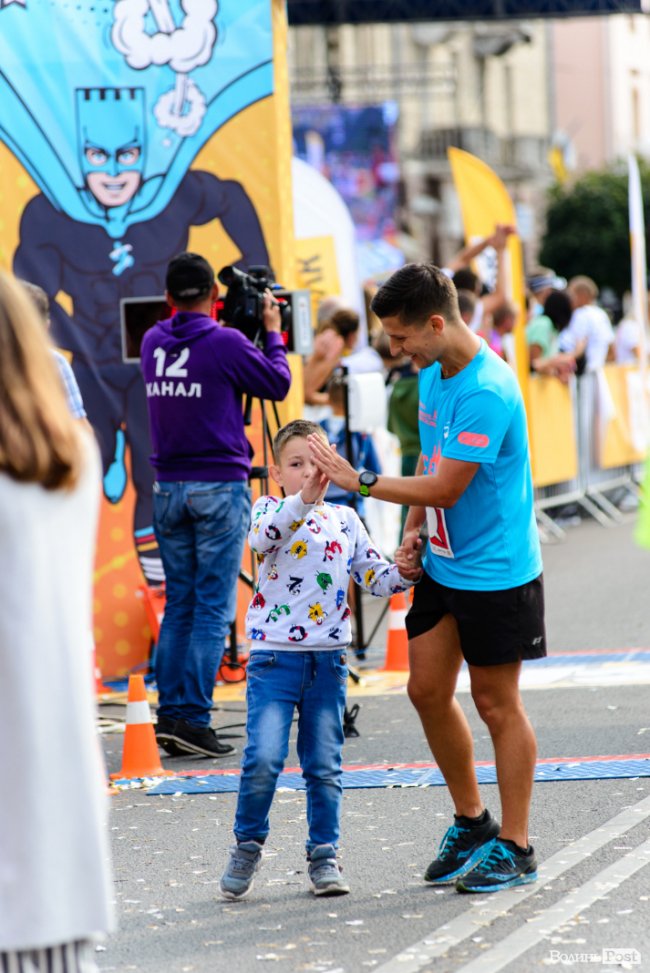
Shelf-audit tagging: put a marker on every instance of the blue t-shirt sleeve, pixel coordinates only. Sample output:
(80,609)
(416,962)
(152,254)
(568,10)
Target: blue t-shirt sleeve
(479,425)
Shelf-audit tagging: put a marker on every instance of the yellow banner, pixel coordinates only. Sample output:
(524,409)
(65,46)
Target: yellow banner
(553,443)
(484,202)
(317,270)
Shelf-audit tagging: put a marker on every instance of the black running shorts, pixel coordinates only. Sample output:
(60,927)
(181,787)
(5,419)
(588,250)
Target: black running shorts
(495,627)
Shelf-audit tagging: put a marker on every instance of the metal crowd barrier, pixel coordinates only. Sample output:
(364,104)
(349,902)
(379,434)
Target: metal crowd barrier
(593,479)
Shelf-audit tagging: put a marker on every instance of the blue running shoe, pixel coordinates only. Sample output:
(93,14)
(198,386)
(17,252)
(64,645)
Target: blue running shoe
(462,847)
(503,867)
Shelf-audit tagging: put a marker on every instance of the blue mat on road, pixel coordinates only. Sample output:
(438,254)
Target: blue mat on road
(221,783)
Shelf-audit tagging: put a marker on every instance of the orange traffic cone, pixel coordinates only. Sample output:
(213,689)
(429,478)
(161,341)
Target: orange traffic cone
(140,756)
(397,646)
(100,688)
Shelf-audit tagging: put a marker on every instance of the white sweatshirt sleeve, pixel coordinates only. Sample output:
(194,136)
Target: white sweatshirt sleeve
(372,571)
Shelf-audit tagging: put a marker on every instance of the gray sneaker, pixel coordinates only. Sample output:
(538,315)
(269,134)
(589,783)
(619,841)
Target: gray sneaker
(324,872)
(245,859)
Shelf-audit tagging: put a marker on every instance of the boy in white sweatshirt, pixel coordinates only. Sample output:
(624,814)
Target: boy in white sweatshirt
(299,624)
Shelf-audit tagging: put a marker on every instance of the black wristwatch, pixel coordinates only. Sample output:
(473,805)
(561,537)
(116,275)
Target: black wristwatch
(366,479)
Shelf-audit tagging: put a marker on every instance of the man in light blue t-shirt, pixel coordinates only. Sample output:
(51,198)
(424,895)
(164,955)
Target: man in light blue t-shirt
(480,598)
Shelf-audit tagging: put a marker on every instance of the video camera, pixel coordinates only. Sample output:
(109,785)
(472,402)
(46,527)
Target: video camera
(243,307)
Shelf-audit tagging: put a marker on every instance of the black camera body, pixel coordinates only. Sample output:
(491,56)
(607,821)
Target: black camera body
(243,307)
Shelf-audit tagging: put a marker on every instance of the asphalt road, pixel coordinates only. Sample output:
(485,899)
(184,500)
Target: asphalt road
(590,909)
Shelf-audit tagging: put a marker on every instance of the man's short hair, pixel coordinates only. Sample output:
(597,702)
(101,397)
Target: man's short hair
(300,428)
(39,299)
(189,278)
(415,292)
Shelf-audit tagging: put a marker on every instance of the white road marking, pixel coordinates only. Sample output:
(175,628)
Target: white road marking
(542,925)
(484,911)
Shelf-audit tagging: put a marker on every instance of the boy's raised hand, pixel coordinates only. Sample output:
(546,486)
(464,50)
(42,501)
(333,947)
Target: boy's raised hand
(314,487)
(335,467)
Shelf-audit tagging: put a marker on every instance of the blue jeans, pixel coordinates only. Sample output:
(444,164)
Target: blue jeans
(278,683)
(200,529)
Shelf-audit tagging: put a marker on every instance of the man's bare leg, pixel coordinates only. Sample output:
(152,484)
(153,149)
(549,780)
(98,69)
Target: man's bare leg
(435,659)
(495,690)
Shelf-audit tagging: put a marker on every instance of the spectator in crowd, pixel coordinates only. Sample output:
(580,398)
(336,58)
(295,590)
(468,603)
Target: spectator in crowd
(319,366)
(628,340)
(196,374)
(467,301)
(504,319)
(481,595)
(590,330)
(357,359)
(364,454)
(42,304)
(55,882)
(542,338)
(403,405)
(465,279)
(336,343)
(540,283)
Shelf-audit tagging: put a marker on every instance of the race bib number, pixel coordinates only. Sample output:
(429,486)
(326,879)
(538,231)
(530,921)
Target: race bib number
(438,533)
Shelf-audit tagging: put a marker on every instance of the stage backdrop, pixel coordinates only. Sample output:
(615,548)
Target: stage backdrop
(131,131)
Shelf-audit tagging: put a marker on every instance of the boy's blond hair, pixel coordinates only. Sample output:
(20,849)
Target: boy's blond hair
(300,428)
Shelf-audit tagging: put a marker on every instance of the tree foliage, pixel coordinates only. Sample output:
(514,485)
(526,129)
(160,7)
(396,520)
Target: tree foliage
(587,227)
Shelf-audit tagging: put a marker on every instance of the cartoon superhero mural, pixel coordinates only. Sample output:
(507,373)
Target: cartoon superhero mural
(107,106)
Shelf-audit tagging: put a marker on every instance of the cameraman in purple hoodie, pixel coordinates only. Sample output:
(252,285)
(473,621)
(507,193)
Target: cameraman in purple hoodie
(196,373)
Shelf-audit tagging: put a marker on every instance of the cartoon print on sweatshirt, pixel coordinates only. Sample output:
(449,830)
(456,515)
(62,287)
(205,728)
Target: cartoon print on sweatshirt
(324,580)
(318,593)
(317,613)
(298,549)
(332,548)
(277,612)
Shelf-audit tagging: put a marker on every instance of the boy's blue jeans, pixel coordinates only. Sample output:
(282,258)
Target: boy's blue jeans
(278,683)
(201,529)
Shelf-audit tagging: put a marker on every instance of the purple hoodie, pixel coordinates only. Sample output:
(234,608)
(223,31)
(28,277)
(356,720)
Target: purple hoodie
(196,373)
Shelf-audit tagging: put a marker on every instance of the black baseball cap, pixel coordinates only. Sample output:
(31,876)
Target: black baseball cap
(189,276)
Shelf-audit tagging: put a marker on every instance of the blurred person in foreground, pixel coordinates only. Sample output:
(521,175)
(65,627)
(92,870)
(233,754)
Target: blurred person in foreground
(196,373)
(55,883)
(481,597)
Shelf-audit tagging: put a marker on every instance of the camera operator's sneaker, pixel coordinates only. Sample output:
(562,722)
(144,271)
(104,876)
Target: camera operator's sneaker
(504,866)
(199,739)
(324,872)
(245,859)
(464,845)
(164,730)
